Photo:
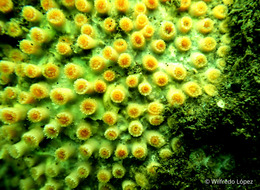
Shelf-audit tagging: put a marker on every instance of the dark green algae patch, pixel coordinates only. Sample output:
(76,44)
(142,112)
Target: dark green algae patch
(222,143)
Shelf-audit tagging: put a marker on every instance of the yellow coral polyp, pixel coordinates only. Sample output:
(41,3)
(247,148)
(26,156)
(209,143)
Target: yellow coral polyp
(29,47)
(56,17)
(205,26)
(51,71)
(33,137)
(32,71)
(13,29)
(39,90)
(37,114)
(72,180)
(155,120)
(6,6)
(110,117)
(185,24)
(192,89)
(220,11)
(158,46)
(207,44)
(167,30)
(150,63)
(155,108)
(104,175)
(122,5)
(137,39)
(61,96)
(7,67)
(139,150)
(110,53)
(105,150)
(213,75)
(210,90)
(198,8)
(120,45)
(88,148)
(16,55)
(102,6)
(51,130)
(132,81)
(31,14)
(148,31)
(68,3)
(118,95)
(63,48)
(112,133)
(65,152)
(100,86)
(10,93)
(83,131)
(64,118)
(121,151)
(83,6)
(176,97)
(97,63)
(126,24)
(39,35)
(183,43)
(184,5)
(155,139)
(88,30)
(12,115)
(199,60)
(139,8)
(177,71)
(118,171)
(25,98)
(109,24)
(151,4)
(88,106)
(72,71)
(124,60)
(80,19)
(109,75)
(160,78)
(145,88)
(82,86)
(86,42)
(141,21)
(135,128)
(48,4)
(83,170)
(134,110)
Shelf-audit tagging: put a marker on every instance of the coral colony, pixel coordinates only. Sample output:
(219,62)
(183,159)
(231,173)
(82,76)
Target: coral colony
(84,91)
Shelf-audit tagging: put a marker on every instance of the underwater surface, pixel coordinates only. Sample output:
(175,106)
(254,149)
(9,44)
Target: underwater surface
(129,94)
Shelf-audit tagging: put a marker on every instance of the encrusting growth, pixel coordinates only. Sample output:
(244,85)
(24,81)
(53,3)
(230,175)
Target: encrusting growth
(91,89)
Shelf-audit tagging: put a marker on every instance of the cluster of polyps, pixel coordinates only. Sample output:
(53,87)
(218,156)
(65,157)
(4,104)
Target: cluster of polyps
(89,80)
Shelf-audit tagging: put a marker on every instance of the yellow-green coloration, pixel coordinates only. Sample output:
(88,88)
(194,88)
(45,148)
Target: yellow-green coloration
(88,101)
